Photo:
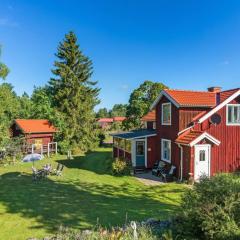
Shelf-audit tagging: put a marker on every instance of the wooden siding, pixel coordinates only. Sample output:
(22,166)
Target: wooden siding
(226,156)
(186,115)
(168,132)
(151,151)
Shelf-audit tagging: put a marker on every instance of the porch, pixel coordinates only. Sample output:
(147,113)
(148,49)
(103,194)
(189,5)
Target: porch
(48,149)
(136,146)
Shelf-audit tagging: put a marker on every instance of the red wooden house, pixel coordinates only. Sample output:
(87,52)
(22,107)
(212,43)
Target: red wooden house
(198,132)
(38,134)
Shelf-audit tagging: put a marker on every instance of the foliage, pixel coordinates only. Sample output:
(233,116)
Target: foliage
(120,167)
(100,233)
(118,110)
(26,107)
(74,95)
(212,209)
(140,102)
(9,110)
(4,70)
(116,126)
(102,113)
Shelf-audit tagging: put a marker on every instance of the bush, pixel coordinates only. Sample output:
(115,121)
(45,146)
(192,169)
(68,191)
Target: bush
(211,210)
(127,233)
(120,167)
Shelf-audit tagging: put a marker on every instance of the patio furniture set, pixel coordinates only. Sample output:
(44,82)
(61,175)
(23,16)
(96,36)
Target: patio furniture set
(46,170)
(165,172)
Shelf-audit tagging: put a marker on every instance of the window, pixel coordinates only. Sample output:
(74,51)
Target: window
(166,114)
(166,150)
(202,156)
(140,148)
(233,114)
(154,125)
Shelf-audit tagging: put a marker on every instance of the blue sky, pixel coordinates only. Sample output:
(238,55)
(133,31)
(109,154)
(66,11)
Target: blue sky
(186,44)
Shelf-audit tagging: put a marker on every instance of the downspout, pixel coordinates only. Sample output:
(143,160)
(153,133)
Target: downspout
(181,162)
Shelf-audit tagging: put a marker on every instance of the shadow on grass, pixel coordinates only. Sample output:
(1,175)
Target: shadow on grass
(78,205)
(97,161)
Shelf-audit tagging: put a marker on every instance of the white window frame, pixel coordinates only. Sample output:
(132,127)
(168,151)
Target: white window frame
(165,104)
(228,123)
(170,153)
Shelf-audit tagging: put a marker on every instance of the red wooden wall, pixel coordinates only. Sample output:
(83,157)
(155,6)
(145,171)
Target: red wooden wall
(151,151)
(226,156)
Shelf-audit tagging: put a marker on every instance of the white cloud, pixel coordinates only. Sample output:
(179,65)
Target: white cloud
(5,22)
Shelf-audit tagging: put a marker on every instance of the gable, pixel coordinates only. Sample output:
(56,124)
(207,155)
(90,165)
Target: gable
(184,98)
(233,98)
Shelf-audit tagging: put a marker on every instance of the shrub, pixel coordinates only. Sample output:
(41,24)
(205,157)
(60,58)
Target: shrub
(211,210)
(120,167)
(127,233)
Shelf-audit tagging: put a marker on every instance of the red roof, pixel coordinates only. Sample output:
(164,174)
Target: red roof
(118,119)
(151,116)
(192,98)
(187,138)
(105,120)
(35,126)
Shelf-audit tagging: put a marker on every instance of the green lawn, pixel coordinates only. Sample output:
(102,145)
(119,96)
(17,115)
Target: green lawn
(85,194)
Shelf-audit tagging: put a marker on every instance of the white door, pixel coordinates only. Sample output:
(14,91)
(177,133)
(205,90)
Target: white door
(202,161)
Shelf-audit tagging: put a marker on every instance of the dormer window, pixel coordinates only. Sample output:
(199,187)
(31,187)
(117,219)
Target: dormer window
(233,114)
(166,114)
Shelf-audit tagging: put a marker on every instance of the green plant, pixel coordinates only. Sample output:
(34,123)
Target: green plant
(120,167)
(211,210)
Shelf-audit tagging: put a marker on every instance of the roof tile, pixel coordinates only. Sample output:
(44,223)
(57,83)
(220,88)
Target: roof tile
(192,98)
(35,126)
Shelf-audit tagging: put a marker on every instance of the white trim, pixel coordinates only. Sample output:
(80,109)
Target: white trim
(217,108)
(184,130)
(134,151)
(170,154)
(209,159)
(227,123)
(181,161)
(166,104)
(163,93)
(205,135)
(145,136)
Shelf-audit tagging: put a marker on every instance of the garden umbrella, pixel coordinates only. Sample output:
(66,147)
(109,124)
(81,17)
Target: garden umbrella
(32,157)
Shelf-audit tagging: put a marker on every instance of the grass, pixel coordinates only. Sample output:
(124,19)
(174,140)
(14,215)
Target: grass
(85,195)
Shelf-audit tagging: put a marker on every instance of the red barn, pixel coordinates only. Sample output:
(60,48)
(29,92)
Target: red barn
(198,132)
(38,134)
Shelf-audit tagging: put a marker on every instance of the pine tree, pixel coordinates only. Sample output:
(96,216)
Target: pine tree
(74,94)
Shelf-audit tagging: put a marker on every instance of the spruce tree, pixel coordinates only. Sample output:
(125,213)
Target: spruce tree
(74,94)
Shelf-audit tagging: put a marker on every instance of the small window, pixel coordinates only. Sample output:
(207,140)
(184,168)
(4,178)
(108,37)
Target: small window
(166,150)
(154,125)
(139,148)
(233,114)
(166,114)
(202,155)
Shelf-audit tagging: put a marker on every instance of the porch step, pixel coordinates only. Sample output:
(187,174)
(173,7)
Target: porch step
(140,170)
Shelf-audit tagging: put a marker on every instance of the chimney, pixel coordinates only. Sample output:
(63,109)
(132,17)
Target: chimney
(215,89)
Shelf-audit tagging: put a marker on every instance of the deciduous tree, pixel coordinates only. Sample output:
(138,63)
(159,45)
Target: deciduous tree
(140,102)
